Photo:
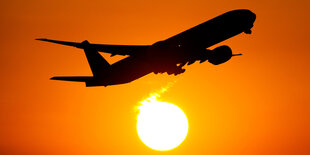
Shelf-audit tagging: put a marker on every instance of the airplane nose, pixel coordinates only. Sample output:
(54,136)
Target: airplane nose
(247,17)
(252,16)
(245,14)
(250,21)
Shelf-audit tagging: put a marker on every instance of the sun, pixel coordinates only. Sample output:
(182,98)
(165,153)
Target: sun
(160,125)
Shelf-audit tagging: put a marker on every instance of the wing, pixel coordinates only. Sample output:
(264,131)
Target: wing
(113,49)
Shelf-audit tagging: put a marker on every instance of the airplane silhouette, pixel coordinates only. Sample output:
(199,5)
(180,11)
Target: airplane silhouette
(169,55)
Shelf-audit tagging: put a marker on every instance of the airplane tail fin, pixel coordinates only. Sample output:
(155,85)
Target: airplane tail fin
(97,63)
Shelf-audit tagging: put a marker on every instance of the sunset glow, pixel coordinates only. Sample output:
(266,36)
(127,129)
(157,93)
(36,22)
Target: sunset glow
(254,104)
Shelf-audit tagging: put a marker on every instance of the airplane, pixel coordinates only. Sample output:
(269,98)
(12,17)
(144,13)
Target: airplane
(167,56)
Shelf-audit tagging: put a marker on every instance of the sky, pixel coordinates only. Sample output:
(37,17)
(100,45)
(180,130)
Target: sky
(256,104)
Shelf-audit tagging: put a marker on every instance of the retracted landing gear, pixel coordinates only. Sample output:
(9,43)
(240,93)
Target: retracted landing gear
(171,70)
(176,71)
(249,31)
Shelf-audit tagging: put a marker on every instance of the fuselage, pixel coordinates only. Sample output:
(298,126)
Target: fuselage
(193,42)
(180,48)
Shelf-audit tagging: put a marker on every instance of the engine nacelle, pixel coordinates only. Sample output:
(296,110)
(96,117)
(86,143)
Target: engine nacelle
(220,55)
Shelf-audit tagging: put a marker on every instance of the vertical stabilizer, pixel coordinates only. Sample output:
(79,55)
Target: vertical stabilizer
(97,63)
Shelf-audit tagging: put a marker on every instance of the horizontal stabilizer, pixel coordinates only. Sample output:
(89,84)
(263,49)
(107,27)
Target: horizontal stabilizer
(107,48)
(73,78)
(74,44)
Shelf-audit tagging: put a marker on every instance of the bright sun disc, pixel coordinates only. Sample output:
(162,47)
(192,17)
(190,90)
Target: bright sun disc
(160,125)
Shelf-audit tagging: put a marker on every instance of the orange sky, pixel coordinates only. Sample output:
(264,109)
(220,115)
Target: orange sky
(256,104)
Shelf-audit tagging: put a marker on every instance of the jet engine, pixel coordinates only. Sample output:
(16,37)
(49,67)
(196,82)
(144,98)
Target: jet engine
(220,55)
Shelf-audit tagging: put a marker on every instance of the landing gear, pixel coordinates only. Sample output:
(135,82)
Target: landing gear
(249,31)
(181,71)
(176,71)
(171,70)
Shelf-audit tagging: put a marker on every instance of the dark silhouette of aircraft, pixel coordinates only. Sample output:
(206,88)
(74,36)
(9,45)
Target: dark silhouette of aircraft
(169,55)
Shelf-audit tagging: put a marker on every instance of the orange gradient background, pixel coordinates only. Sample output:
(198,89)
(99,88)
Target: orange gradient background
(256,104)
